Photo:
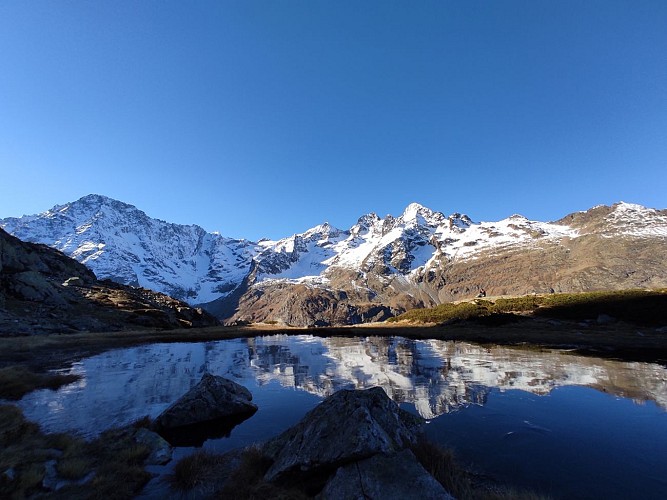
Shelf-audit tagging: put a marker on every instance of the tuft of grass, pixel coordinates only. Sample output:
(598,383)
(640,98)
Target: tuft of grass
(229,476)
(115,457)
(247,480)
(447,312)
(29,479)
(73,468)
(518,304)
(195,470)
(13,426)
(442,464)
(17,381)
(117,480)
(62,441)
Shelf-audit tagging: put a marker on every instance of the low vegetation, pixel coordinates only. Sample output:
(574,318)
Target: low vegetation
(641,307)
(462,483)
(33,463)
(238,475)
(17,381)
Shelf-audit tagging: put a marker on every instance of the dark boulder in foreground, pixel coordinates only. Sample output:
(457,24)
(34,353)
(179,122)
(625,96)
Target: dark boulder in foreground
(346,427)
(387,477)
(354,445)
(211,408)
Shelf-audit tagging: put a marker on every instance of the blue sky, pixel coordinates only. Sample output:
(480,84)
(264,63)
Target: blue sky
(265,118)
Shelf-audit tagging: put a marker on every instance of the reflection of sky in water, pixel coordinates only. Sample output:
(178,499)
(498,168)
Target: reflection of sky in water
(520,403)
(436,377)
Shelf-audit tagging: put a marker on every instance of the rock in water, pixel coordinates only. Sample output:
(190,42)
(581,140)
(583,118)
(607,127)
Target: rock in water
(213,399)
(390,477)
(347,426)
(160,449)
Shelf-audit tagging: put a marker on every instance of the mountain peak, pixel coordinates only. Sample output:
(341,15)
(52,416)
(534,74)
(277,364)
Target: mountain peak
(324,229)
(421,215)
(99,200)
(623,206)
(414,209)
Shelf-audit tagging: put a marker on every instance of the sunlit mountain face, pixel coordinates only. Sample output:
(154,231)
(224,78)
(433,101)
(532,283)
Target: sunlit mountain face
(377,268)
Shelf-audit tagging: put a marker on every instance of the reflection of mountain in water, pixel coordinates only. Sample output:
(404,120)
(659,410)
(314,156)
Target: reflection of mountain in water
(436,376)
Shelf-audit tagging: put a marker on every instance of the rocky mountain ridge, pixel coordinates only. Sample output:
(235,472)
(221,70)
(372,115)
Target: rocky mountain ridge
(375,269)
(43,291)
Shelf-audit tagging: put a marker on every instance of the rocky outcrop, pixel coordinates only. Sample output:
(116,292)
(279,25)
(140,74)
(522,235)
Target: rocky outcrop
(387,477)
(303,305)
(160,450)
(353,445)
(214,403)
(347,427)
(44,291)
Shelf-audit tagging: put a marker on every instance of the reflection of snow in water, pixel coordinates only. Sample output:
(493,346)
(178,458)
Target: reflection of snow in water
(120,386)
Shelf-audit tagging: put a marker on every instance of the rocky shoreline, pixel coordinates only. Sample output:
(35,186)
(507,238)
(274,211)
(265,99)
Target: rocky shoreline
(354,444)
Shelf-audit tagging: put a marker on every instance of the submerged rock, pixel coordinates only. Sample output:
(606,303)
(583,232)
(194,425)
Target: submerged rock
(347,426)
(386,477)
(215,401)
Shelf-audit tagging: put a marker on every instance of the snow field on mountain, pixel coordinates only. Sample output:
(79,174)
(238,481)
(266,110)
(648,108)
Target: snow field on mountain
(118,241)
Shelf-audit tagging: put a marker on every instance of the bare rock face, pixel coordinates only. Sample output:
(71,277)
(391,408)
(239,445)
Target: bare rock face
(213,400)
(346,427)
(301,305)
(390,477)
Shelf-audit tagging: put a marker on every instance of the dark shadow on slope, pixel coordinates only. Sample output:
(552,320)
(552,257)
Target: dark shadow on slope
(640,308)
(224,308)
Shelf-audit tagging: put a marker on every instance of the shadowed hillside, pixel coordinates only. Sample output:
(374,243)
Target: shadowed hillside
(44,291)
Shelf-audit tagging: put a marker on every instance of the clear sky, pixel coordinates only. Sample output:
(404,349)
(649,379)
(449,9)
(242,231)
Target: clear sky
(265,118)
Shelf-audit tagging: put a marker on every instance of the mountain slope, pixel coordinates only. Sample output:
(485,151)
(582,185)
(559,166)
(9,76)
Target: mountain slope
(375,269)
(120,242)
(42,290)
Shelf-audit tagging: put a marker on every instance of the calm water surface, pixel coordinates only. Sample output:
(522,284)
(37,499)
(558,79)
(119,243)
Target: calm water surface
(571,426)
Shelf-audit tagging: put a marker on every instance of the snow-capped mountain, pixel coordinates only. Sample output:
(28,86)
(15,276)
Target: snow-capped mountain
(376,268)
(406,245)
(120,242)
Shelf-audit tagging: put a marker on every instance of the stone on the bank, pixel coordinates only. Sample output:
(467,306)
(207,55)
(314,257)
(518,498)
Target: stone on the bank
(160,449)
(73,281)
(347,426)
(213,398)
(386,477)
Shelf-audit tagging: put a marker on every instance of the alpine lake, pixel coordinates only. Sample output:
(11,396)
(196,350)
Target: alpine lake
(557,423)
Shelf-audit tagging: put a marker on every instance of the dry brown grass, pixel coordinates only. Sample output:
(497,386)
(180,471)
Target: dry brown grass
(463,484)
(115,458)
(17,381)
(196,471)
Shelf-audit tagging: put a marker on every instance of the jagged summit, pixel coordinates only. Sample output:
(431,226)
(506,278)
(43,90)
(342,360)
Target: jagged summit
(421,257)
